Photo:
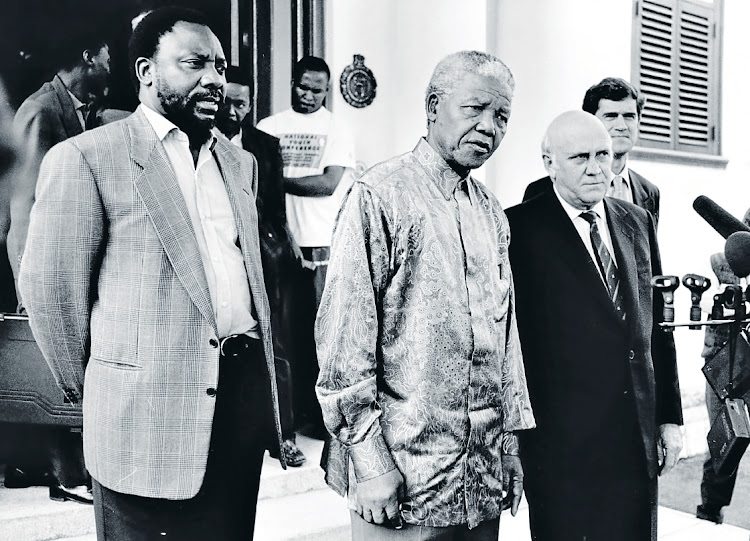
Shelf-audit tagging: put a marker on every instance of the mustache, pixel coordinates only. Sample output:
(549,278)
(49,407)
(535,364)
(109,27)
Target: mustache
(217,95)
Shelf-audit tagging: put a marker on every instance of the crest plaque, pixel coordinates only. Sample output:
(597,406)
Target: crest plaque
(358,83)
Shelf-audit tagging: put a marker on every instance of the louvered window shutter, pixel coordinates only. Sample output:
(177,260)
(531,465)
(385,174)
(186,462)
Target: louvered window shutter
(676,66)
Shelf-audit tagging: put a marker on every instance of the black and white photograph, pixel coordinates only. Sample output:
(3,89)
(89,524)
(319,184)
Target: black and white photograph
(374,270)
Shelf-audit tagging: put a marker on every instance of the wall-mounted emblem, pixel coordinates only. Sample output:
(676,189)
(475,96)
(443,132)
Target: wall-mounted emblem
(358,83)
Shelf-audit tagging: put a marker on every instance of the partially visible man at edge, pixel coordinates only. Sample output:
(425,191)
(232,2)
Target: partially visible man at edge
(279,253)
(142,268)
(61,108)
(618,105)
(422,382)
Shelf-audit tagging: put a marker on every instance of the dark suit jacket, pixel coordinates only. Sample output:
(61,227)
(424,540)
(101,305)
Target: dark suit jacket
(44,119)
(271,199)
(280,264)
(645,194)
(587,370)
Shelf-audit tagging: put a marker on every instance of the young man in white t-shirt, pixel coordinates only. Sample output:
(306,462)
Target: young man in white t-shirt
(318,155)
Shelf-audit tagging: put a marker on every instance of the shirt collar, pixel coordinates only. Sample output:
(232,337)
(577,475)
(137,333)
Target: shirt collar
(445,178)
(625,174)
(163,127)
(574,213)
(237,139)
(78,104)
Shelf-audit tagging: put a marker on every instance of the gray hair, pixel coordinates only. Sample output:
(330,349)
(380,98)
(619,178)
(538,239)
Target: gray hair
(450,70)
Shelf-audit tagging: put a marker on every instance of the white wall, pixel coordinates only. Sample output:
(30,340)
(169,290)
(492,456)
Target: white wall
(401,41)
(556,50)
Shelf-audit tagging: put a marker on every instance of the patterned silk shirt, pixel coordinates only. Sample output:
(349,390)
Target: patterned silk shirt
(420,363)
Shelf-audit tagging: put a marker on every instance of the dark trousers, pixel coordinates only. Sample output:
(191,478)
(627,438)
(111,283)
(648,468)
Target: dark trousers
(365,531)
(603,495)
(54,450)
(308,293)
(593,509)
(224,508)
(716,489)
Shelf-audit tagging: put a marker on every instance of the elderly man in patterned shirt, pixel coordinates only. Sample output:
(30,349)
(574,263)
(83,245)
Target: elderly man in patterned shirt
(421,382)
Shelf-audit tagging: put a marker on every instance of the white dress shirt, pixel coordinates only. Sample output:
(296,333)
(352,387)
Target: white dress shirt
(627,191)
(80,108)
(584,228)
(213,222)
(237,139)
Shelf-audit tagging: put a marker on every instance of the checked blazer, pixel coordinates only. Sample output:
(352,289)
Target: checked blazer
(117,298)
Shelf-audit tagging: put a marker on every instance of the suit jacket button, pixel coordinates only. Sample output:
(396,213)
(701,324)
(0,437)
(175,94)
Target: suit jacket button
(631,355)
(214,343)
(211,391)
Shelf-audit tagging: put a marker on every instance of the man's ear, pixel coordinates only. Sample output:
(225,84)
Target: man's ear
(144,70)
(432,104)
(87,57)
(549,165)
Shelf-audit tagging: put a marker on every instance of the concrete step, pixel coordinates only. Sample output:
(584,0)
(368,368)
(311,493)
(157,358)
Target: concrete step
(324,520)
(318,515)
(29,515)
(293,505)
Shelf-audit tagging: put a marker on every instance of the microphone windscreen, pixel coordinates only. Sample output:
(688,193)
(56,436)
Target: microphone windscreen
(718,218)
(737,252)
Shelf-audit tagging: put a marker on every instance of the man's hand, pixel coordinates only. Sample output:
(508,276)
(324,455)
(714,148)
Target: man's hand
(669,446)
(512,483)
(379,497)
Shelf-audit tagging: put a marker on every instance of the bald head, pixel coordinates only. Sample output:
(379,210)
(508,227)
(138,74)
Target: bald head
(577,153)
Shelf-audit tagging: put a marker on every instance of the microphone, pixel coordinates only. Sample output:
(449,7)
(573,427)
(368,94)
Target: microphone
(737,253)
(724,223)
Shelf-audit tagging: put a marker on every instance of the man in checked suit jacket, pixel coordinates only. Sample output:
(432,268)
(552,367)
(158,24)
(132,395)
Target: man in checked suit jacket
(142,272)
(603,386)
(618,105)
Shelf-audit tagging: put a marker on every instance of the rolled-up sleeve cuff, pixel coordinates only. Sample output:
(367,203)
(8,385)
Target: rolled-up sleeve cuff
(371,458)
(510,443)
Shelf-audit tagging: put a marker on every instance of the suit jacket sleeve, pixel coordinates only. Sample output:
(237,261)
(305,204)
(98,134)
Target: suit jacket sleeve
(39,128)
(61,260)
(668,401)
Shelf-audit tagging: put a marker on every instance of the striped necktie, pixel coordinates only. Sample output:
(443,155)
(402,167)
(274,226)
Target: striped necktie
(606,264)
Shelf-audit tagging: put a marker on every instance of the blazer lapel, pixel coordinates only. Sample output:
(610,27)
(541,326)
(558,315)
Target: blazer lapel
(157,187)
(622,235)
(67,108)
(572,249)
(640,195)
(246,218)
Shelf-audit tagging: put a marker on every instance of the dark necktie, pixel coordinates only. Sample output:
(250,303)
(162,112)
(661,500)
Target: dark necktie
(605,263)
(89,116)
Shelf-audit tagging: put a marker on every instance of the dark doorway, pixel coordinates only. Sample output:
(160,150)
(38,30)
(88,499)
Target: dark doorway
(31,30)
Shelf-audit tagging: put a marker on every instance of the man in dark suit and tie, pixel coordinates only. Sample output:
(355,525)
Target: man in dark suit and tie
(618,105)
(58,110)
(602,376)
